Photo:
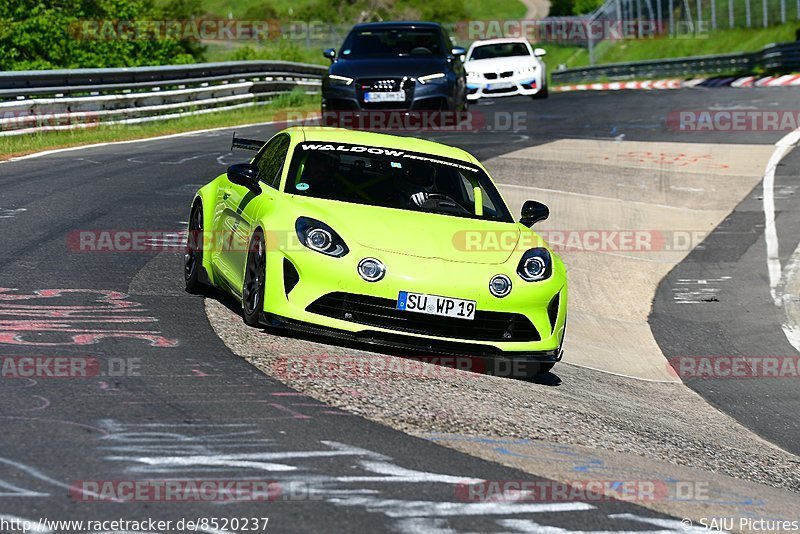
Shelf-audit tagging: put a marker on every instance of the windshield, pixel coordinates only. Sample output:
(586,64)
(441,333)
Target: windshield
(392,42)
(394,179)
(491,51)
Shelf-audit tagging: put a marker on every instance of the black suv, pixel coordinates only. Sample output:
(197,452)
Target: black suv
(395,66)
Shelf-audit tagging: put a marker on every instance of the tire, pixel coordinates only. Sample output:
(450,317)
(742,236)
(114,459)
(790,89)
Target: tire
(254,280)
(541,94)
(193,256)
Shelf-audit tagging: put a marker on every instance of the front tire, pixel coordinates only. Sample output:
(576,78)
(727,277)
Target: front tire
(540,94)
(254,280)
(193,257)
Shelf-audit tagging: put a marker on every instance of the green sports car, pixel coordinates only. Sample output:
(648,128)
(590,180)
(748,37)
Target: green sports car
(382,239)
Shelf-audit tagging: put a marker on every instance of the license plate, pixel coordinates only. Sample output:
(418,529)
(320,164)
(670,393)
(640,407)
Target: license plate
(390,96)
(500,85)
(436,305)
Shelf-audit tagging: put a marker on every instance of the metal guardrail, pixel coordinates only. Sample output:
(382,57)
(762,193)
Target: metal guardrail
(35,101)
(783,57)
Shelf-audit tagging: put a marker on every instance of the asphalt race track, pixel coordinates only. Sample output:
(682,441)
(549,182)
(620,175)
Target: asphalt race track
(179,404)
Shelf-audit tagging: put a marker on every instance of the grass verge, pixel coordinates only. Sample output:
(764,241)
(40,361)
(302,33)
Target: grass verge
(19,145)
(718,42)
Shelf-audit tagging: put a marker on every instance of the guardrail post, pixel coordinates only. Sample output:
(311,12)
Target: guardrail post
(747,13)
(730,13)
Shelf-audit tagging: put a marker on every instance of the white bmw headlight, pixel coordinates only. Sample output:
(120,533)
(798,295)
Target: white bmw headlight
(527,70)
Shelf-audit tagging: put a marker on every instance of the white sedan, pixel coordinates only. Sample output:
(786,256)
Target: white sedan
(504,67)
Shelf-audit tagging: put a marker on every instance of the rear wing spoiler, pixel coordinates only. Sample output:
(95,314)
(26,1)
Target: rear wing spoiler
(247,144)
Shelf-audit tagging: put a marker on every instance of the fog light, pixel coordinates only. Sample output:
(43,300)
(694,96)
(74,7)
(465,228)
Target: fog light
(371,269)
(500,285)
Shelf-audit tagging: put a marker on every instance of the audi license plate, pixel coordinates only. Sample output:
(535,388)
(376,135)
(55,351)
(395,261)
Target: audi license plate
(436,305)
(385,96)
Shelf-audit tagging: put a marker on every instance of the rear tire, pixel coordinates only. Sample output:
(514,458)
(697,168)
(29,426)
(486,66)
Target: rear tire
(254,280)
(193,257)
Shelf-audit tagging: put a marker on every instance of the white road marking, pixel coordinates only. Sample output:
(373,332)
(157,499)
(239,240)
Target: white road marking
(401,508)
(777,277)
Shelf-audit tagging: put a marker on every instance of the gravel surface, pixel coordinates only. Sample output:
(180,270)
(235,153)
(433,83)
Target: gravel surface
(576,406)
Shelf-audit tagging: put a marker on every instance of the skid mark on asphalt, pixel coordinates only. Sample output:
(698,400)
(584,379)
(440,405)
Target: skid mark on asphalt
(328,471)
(698,291)
(589,466)
(10,213)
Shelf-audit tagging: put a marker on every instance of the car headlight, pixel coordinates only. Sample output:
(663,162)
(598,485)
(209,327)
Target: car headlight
(527,70)
(535,265)
(371,269)
(335,79)
(439,77)
(500,285)
(473,74)
(320,237)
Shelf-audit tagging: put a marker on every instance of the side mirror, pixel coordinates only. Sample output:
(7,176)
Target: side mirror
(330,53)
(458,51)
(533,212)
(245,174)
(539,52)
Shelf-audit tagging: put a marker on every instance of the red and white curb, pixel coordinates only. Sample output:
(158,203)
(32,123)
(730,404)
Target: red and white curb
(788,80)
(618,86)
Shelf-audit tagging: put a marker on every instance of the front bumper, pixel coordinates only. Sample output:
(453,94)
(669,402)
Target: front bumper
(519,85)
(419,97)
(299,280)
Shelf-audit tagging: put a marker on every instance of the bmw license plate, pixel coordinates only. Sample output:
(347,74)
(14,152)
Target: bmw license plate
(436,305)
(500,85)
(385,96)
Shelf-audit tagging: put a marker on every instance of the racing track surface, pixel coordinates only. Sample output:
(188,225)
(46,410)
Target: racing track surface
(197,411)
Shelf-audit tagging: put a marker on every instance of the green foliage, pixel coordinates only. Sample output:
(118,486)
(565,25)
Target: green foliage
(562,8)
(586,6)
(41,34)
(279,50)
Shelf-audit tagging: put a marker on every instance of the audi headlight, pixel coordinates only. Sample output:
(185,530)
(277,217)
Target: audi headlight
(535,265)
(319,237)
(439,77)
(335,79)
